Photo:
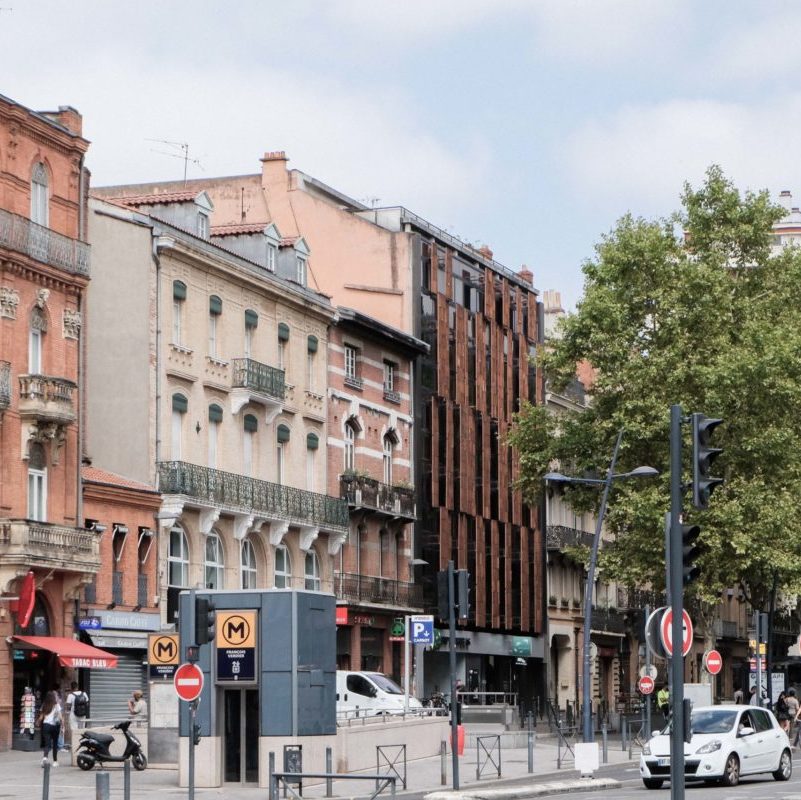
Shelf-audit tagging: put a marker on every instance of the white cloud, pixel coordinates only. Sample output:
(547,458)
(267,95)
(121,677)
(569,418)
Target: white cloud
(638,158)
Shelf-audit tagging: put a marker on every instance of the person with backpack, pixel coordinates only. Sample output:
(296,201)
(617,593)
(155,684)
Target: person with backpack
(78,706)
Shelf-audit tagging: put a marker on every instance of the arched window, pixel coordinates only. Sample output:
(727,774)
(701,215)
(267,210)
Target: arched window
(312,571)
(213,562)
(248,565)
(179,409)
(178,559)
(39,196)
(36,340)
(350,447)
(283,568)
(37,482)
(215,419)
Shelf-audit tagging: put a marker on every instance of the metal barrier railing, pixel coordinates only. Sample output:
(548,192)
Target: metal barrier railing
(288,778)
(488,754)
(368,717)
(391,756)
(487,698)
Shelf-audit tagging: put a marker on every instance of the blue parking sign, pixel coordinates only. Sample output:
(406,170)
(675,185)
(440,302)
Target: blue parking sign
(421,629)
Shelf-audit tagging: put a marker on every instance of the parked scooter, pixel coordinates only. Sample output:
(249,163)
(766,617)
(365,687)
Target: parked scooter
(94,748)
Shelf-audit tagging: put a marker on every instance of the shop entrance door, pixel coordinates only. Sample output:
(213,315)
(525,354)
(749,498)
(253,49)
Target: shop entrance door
(241,735)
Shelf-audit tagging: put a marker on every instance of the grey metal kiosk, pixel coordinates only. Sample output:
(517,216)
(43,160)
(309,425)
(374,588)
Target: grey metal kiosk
(269,681)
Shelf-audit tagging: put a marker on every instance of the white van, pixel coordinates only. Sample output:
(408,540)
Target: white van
(369,694)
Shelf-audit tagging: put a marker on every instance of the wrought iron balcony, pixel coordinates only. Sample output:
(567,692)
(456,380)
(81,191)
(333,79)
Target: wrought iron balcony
(45,398)
(609,620)
(638,599)
(271,500)
(363,492)
(354,381)
(23,236)
(250,374)
(142,597)
(728,629)
(5,385)
(391,395)
(355,588)
(116,587)
(39,544)
(560,537)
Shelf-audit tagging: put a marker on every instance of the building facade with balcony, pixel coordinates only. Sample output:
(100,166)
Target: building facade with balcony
(481,322)
(370,465)
(44,273)
(207,380)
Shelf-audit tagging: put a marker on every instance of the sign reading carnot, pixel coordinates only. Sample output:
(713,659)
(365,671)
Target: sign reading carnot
(188,682)
(422,629)
(236,646)
(163,654)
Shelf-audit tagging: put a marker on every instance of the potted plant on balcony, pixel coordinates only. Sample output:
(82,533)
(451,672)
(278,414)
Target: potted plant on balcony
(552,600)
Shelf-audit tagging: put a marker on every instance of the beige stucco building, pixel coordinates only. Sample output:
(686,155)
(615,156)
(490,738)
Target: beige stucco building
(207,375)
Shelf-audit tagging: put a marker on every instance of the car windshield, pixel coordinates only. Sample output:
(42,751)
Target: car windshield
(712,720)
(384,683)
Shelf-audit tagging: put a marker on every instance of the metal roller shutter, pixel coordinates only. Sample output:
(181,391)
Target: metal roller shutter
(110,689)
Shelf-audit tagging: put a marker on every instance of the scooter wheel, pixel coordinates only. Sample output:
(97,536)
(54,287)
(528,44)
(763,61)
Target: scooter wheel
(85,762)
(139,760)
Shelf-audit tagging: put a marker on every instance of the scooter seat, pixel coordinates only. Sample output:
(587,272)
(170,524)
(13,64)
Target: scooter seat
(100,738)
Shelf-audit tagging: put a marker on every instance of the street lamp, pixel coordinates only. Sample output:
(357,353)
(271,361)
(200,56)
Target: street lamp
(611,476)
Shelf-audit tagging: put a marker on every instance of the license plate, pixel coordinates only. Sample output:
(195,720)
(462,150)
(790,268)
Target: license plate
(663,762)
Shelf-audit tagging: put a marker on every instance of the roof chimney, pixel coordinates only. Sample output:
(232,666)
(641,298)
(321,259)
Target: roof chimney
(275,155)
(67,117)
(485,251)
(786,199)
(526,275)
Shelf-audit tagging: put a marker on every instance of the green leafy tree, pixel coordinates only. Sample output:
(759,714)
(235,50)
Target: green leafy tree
(691,310)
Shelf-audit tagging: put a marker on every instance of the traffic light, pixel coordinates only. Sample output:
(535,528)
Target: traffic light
(690,550)
(196,734)
(703,456)
(687,715)
(462,594)
(204,620)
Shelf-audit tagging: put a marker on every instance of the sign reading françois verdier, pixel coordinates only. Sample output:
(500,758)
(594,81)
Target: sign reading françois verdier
(236,646)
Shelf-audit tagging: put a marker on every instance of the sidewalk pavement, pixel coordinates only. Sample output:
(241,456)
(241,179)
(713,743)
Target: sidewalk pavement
(21,778)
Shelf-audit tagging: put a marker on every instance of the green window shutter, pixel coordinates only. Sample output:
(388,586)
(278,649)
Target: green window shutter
(215,305)
(180,403)
(215,413)
(283,332)
(251,319)
(178,290)
(283,434)
(312,441)
(312,344)
(251,423)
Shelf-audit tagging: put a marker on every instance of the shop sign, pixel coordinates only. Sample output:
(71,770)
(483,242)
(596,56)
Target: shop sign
(163,651)
(397,633)
(363,619)
(521,646)
(236,646)
(342,615)
(89,623)
(128,620)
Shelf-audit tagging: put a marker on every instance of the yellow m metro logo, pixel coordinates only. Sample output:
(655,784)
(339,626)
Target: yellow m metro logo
(236,629)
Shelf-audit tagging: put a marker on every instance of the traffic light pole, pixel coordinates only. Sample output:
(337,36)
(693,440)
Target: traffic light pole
(192,718)
(675,556)
(452,655)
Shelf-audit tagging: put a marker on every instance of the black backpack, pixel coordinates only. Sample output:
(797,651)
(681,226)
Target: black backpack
(80,705)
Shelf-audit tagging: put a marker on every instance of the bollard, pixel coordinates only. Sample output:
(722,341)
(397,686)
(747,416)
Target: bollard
(46,781)
(604,750)
(443,758)
(630,738)
(329,768)
(273,783)
(559,747)
(624,729)
(102,786)
(126,779)
(531,735)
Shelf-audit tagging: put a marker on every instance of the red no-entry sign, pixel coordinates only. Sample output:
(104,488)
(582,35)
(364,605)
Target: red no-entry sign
(713,661)
(188,682)
(646,684)
(666,632)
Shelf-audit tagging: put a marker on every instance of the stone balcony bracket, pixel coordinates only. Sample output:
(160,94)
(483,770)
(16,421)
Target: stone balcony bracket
(242,524)
(278,529)
(308,534)
(172,507)
(208,516)
(335,542)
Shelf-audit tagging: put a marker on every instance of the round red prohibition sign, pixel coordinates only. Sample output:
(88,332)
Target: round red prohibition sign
(188,682)
(666,632)
(713,661)
(646,684)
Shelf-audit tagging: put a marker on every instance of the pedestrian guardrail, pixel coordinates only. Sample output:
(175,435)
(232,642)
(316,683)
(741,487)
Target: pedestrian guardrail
(488,753)
(288,779)
(393,757)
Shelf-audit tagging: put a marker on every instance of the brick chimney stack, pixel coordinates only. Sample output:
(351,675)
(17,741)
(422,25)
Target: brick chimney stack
(526,275)
(485,251)
(275,155)
(67,117)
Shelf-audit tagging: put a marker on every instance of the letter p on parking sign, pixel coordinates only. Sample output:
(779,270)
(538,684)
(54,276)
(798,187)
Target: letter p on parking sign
(421,629)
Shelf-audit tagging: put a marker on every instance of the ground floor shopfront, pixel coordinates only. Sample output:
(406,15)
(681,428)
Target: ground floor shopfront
(367,642)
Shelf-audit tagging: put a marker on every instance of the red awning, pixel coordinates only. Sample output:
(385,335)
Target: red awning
(70,652)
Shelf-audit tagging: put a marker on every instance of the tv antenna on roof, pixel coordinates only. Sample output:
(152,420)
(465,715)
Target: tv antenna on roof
(184,156)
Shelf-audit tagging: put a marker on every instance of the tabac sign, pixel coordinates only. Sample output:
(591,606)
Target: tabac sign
(163,654)
(236,646)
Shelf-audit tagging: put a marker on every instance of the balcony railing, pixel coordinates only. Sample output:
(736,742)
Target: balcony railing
(363,492)
(45,397)
(116,587)
(141,591)
(609,620)
(355,588)
(728,629)
(270,499)
(391,395)
(250,374)
(30,543)
(5,385)
(560,537)
(354,381)
(20,234)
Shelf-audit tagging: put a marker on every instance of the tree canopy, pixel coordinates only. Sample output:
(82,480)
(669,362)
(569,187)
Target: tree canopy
(691,310)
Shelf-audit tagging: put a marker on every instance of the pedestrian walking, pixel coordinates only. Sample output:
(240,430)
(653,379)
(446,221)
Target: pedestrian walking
(783,712)
(77,707)
(663,701)
(738,695)
(137,705)
(50,719)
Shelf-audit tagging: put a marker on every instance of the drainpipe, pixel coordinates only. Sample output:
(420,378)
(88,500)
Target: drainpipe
(81,360)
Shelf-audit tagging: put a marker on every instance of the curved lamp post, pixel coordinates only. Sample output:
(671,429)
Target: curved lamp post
(611,476)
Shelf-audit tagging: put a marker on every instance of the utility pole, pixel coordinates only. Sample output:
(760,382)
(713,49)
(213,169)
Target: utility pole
(452,656)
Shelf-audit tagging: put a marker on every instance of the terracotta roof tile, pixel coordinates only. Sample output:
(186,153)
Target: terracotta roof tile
(157,199)
(95,475)
(289,241)
(233,230)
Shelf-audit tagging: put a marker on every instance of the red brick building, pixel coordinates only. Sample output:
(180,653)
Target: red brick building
(44,273)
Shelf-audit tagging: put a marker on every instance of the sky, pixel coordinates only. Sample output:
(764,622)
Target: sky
(530,126)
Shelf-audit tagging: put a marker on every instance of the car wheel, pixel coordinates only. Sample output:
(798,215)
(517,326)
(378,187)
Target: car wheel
(785,769)
(731,772)
(653,783)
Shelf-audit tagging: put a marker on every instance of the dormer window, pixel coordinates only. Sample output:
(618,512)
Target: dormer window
(203,225)
(272,256)
(300,270)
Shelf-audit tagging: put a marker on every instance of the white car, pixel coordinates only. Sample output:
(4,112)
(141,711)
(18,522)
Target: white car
(727,742)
